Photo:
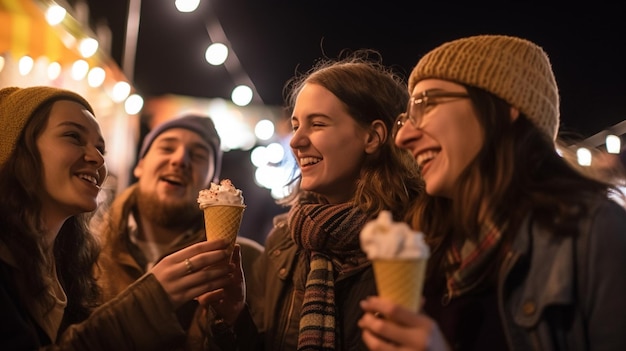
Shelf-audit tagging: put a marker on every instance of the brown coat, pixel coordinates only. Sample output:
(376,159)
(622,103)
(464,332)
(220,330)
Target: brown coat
(141,318)
(119,264)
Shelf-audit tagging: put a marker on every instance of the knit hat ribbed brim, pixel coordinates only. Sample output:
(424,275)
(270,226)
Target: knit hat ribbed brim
(17,106)
(511,68)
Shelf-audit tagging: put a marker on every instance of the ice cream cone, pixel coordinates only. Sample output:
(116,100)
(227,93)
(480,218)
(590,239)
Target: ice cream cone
(401,281)
(223,221)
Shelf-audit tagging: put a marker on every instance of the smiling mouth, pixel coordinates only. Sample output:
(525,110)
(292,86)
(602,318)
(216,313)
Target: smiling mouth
(425,157)
(89,178)
(309,161)
(173,181)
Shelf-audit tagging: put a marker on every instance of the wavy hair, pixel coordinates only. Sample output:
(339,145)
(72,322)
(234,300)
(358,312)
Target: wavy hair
(21,230)
(370,91)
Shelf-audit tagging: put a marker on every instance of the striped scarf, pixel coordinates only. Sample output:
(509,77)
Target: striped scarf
(471,258)
(330,235)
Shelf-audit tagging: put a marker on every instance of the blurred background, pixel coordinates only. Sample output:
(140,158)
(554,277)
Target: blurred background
(143,62)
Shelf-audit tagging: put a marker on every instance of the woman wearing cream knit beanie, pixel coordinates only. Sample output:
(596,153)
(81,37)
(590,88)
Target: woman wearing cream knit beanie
(527,253)
(513,69)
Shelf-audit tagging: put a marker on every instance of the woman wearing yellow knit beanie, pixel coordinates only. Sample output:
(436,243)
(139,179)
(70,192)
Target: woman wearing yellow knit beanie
(51,169)
(527,253)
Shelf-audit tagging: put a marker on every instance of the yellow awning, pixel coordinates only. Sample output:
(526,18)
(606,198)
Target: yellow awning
(25,31)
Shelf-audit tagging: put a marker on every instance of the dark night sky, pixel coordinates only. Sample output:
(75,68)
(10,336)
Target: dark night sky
(273,39)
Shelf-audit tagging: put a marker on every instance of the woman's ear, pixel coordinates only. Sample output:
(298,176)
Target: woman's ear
(376,136)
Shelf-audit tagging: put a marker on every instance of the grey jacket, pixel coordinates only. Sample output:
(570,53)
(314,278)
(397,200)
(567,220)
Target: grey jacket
(567,293)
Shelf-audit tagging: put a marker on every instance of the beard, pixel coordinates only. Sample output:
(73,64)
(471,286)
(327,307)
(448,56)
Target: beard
(178,214)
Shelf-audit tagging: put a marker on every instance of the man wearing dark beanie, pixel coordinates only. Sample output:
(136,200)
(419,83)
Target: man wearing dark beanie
(201,125)
(159,214)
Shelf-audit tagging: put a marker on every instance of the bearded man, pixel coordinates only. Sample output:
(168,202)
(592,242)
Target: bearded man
(159,214)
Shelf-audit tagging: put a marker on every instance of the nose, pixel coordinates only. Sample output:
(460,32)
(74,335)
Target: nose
(180,157)
(299,139)
(407,134)
(95,157)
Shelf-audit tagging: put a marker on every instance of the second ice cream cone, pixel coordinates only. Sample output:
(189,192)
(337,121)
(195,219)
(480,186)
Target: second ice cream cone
(401,281)
(399,257)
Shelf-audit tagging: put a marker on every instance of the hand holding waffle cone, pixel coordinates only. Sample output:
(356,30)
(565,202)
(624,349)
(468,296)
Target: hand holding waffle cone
(223,208)
(399,257)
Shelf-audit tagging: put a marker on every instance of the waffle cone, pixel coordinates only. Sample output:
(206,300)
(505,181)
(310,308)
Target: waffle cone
(401,281)
(223,221)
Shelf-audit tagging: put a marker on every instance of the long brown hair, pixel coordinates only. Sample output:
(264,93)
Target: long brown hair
(517,171)
(370,91)
(21,228)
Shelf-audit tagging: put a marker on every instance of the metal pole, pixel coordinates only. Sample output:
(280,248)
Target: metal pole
(130,43)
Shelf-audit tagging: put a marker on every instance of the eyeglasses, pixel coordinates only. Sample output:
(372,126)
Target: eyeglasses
(420,105)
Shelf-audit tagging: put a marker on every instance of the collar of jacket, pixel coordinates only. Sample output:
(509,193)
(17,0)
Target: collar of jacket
(116,231)
(549,279)
(282,251)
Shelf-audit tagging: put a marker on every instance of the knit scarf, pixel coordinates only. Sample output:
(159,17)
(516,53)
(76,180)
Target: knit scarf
(472,258)
(330,235)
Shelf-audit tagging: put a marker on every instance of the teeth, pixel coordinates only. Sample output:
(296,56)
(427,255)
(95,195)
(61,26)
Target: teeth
(309,160)
(425,157)
(89,178)
(174,180)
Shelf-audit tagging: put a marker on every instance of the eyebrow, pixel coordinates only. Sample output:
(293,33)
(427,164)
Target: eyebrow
(311,116)
(195,144)
(79,126)
(425,92)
